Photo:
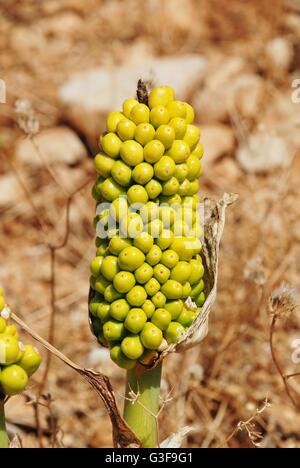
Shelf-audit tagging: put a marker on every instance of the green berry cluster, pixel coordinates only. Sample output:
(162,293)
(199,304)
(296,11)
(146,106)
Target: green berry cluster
(18,362)
(148,234)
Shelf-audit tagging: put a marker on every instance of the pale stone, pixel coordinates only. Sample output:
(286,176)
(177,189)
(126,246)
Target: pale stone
(217,140)
(58,145)
(89,96)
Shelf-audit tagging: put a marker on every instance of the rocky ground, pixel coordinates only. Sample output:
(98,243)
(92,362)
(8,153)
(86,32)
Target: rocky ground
(65,64)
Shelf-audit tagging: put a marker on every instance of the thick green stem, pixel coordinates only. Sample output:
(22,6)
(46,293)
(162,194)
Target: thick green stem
(142,403)
(3,433)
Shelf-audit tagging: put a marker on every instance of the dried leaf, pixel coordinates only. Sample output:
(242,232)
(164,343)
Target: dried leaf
(15,443)
(175,440)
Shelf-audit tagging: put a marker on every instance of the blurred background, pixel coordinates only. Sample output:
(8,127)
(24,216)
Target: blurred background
(66,63)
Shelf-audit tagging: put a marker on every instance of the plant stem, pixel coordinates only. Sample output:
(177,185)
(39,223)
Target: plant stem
(142,403)
(3,433)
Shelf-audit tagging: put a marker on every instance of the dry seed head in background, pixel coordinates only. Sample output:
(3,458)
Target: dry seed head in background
(283,301)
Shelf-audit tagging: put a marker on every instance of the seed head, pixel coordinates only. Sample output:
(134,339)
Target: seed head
(283,301)
(27,119)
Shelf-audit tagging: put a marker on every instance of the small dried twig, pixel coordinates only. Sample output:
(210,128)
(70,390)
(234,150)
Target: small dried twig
(249,426)
(122,434)
(281,304)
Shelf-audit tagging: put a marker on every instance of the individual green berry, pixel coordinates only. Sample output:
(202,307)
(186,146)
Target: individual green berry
(172,289)
(144,133)
(161,318)
(201,300)
(126,130)
(151,336)
(103,312)
(154,255)
(31,360)
(165,168)
(194,188)
(9,350)
(186,318)
(110,190)
(128,105)
(101,284)
(177,109)
(165,134)
(161,273)
(144,242)
(170,187)
(124,281)
(194,168)
(159,116)
(94,305)
(132,152)
(111,145)
(113,330)
(132,226)
(149,212)
(142,173)
(119,310)
(117,245)
(184,247)
(169,258)
(131,258)
(140,114)
(192,136)
(149,308)
(13,380)
(110,267)
(119,358)
(152,287)
(154,189)
(103,164)
(165,239)
(197,289)
(197,271)
(159,300)
(137,195)
(198,151)
(135,320)
(174,333)
(95,267)
(143,274)
(113,120)
(132,347)
(121,173)
(154,228)
(153,151)
(190,114)
(161,96)
(118,209)
(102,246)
(179,126)
(182,172)
(179,152)
(111,294)
(186,290)
(136,296)
(181,272)
(175,308)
